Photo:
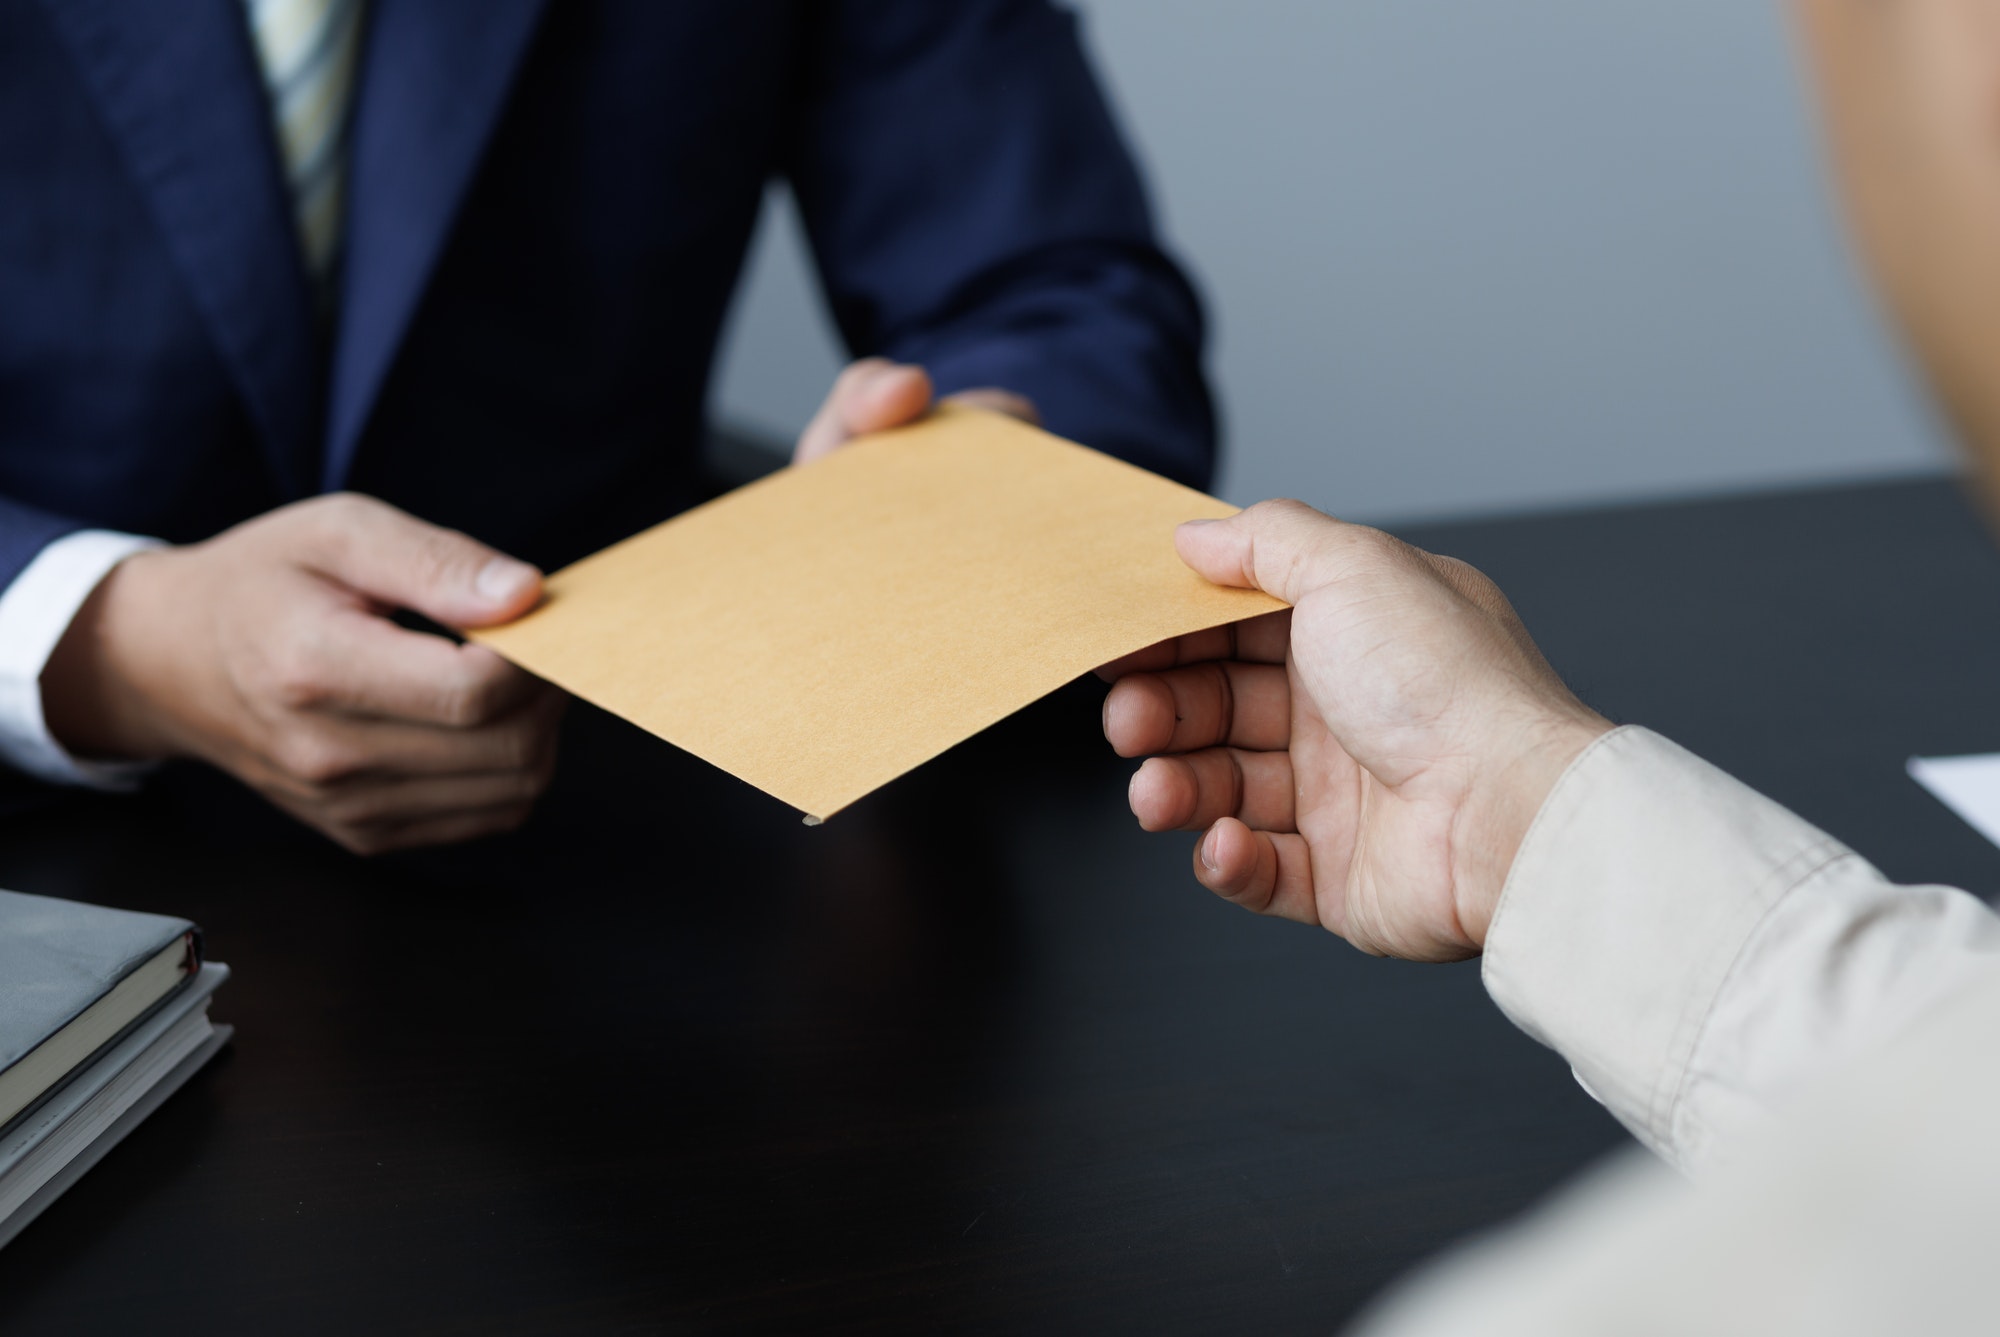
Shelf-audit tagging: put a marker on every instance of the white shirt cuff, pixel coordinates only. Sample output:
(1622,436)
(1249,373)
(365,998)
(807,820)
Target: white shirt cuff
(35,611)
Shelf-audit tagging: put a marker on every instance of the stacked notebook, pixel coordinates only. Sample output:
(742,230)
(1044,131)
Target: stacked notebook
(103,1014)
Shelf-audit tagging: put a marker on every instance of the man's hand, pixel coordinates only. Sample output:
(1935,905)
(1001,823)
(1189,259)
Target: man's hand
(875,394)
(269,652)
(1368,760)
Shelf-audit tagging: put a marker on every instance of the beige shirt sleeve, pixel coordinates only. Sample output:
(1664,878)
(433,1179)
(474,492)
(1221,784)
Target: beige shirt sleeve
(1872,1210)
(1695,950)
(1706,960)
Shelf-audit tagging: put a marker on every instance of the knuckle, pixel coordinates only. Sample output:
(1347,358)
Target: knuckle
(1211,680)
(339,504)
(522,749)
(338,514)
(314,760)
(1374,542)
(293,679)
(1289,513)
(364,806)
(1235,783)
(1469,581)
(267,775)
(1220,690)
(457,706)
(858,371)
(1368,550)
(469,701)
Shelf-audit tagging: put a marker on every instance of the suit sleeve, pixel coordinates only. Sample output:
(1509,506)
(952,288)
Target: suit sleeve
(973,207)
(24,531)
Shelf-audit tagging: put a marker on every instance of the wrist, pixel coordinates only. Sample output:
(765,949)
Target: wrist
(1504,801)
(94,693)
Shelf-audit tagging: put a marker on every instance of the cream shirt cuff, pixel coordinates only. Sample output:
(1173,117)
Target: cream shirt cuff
(35,611)
(1696,951)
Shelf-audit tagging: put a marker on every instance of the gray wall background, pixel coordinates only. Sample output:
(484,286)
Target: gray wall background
(1471,255)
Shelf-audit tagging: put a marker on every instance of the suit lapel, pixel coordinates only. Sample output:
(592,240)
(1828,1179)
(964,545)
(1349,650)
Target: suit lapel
(434,79)
(178,85)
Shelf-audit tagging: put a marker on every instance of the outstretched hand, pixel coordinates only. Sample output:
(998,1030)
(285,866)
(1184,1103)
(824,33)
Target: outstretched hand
(1369,760)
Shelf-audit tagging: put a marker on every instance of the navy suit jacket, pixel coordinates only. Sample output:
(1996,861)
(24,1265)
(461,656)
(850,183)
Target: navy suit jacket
(549,205)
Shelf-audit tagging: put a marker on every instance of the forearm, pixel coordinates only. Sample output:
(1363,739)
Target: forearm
(1696,951)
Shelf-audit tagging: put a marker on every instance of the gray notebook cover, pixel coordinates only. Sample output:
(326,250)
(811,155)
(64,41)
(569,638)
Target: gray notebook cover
(59,957)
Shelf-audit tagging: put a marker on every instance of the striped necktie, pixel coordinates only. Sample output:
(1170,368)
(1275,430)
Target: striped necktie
(308,49)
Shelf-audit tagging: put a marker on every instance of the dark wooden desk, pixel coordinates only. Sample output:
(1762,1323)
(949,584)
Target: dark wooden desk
(977,1055)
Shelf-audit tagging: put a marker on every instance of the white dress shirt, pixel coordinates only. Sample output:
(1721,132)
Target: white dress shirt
(1818,1047)
(35,611)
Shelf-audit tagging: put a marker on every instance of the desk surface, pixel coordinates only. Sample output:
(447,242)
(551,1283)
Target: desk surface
(975,1055)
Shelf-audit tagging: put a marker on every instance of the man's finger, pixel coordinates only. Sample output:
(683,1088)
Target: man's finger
(995,400)
(408,800)
(346,753)
(1262,639)
(362,664)
(871,395)
(1267,872)
(396,559)
(1204,705)
(1191,792)
(524,739)
(1212,643)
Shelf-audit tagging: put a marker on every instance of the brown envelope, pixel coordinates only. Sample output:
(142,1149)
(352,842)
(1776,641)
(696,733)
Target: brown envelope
(822,631)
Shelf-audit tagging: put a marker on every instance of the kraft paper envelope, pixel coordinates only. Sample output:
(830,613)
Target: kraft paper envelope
(822,631)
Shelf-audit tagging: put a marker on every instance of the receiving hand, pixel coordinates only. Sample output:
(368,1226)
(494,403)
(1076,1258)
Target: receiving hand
(268,651)
(1368,760)
(875,394)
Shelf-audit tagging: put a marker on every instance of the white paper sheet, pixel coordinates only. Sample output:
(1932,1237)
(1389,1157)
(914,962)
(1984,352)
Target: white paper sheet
(1969,786)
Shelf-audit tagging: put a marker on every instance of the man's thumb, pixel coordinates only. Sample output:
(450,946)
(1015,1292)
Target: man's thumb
(1284,548)
(395,558)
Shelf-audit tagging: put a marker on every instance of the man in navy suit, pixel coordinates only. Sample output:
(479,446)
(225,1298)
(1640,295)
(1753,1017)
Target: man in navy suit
(470,259)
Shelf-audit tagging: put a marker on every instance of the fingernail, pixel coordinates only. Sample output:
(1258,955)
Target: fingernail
(503,580)
(1208,852)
